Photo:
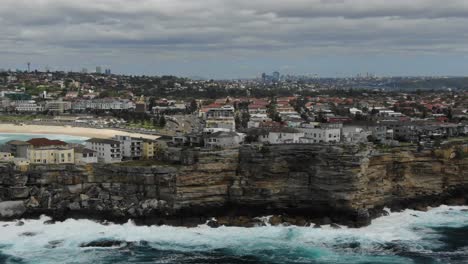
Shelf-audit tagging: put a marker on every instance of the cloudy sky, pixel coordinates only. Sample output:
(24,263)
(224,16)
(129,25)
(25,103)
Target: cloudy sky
(238,38)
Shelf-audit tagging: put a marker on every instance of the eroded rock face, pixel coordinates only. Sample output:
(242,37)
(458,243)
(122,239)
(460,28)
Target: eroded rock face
(299,184)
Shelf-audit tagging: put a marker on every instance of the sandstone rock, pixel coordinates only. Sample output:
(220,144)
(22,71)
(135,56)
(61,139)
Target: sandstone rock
(74,206)
(84,197)
(32,202)
(276,220)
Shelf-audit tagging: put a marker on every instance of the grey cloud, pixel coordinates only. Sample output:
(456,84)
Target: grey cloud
(232,27)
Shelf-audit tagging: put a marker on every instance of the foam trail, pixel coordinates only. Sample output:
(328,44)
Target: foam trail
(381,242)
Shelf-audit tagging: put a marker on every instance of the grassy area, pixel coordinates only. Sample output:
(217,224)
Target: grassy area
(458,139)
(145,125)
(20,118)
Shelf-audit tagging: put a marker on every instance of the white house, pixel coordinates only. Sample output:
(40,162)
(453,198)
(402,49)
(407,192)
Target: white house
(108,150)
(85,156)
(283,135)
(224,139)
(353,134)
(319,133)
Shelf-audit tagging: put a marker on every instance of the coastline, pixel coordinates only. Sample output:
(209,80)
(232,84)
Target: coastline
(68,130)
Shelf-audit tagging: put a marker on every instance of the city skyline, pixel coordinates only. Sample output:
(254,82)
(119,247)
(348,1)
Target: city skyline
(224,40)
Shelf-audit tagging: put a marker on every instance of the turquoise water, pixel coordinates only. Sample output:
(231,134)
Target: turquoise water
(437,236)
(5,137)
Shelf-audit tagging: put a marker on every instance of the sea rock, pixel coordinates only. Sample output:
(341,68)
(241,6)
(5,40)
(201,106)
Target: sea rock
(12,209)
(104,243)
(19,223)
(28,234)
(212,223)
(54,244)
(49,222)
(276,220)
(335,226)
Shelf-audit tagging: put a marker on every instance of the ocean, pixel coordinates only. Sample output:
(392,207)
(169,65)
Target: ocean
(437,236)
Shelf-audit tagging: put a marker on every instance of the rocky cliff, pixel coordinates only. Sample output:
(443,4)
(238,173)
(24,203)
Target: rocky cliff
(298,183)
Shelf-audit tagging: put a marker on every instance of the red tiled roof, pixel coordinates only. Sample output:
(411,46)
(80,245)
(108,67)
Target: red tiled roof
(44,142)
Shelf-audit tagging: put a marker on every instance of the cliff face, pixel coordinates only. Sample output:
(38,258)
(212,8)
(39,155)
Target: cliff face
(349,184)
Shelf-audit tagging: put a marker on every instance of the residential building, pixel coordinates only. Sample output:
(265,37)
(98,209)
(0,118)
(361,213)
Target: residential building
(321,133)
(17,148)
(57,106)
(220,117)
(85,155)
(46,151)
(224,139)
(27,106)
(149,149)
(108,150)
(284,135)
(131,148)
(6,156)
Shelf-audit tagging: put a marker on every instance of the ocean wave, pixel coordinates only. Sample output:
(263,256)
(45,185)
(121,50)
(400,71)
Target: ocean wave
(397,238)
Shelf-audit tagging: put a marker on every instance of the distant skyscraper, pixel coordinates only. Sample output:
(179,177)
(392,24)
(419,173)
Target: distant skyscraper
(276,76)
(29,66)
(108,71)
(98,70)
(84,70)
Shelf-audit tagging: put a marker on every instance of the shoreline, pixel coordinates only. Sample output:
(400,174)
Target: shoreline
(68,131)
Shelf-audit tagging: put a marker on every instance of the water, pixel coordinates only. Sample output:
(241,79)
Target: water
(437,236)
(5,137)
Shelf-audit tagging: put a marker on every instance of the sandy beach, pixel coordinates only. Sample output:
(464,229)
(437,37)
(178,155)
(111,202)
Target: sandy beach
(68,130)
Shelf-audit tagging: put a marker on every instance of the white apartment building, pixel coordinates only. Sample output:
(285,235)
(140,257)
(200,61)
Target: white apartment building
(103,104)
(222,117)
(57,106)
(320,134)
(132,148)
(27,106)
(108,150)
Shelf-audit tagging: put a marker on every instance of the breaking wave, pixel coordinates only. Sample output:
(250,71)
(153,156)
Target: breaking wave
(437,236)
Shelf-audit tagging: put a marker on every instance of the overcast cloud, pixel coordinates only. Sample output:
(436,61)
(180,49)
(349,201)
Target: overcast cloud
(231,38)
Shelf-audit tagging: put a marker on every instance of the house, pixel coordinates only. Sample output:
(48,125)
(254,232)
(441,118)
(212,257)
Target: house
(108,150)
(321,133)
(85,155)
(17,148)
(282,135)
(224,139)
(219,117)
(353,134)
(6,156)
(46,151)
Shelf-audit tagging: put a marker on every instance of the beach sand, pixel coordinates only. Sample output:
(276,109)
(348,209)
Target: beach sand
(68,130)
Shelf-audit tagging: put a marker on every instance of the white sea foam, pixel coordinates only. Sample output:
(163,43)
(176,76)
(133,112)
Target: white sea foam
(409,228)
